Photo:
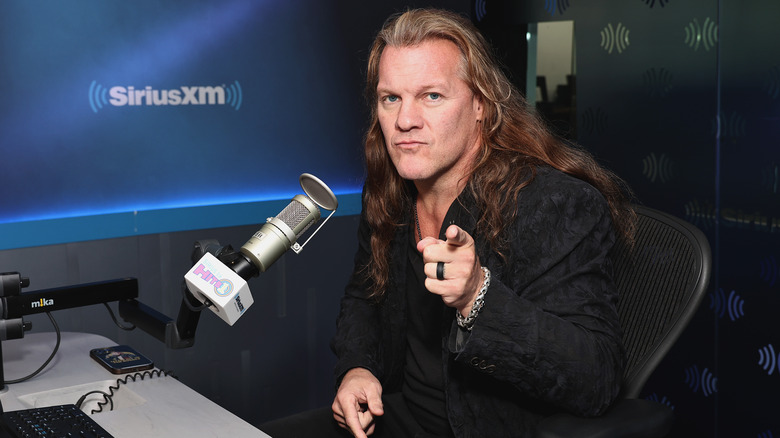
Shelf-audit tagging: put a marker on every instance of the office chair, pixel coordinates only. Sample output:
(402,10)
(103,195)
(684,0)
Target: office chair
(661,283)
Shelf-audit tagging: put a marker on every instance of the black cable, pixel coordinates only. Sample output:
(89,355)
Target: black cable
(109,396)
(56,347)
(106,396)
(116,321)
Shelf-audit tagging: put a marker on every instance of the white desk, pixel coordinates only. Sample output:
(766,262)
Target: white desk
(157,407)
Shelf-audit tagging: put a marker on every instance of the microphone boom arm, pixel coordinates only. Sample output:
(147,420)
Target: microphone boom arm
(180,333)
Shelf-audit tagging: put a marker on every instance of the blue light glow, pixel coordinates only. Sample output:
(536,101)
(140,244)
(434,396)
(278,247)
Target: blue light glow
(124,224)
(72,170)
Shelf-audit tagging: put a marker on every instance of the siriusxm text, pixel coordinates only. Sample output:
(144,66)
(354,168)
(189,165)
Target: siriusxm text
(130,96)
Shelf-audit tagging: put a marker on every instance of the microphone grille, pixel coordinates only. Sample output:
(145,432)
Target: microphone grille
(293,215)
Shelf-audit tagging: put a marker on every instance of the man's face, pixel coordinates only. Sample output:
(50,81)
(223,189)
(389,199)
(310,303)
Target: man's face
(427,113)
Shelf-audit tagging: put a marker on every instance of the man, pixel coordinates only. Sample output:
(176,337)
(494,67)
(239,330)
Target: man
(482,298)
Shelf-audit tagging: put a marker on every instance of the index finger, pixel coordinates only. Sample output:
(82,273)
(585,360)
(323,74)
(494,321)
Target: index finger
(457,237)
(353,422)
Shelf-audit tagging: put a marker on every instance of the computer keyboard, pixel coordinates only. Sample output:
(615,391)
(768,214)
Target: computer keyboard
(52,421)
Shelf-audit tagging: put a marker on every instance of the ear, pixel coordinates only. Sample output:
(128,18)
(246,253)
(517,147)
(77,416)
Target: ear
(478,107)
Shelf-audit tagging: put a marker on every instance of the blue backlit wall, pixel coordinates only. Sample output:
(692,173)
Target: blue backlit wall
(120,118)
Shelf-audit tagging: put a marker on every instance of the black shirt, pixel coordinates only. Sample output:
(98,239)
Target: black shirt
(423,387)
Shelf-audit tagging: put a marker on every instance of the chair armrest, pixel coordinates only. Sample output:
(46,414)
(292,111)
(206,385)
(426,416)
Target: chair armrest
(632,418)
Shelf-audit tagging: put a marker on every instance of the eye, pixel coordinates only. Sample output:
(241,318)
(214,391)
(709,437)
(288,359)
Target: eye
(390,99)
(434,96)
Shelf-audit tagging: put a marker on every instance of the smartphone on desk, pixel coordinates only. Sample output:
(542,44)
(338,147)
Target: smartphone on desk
(121,359)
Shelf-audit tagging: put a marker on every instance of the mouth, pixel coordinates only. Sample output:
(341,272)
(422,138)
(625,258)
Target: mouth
(408,144)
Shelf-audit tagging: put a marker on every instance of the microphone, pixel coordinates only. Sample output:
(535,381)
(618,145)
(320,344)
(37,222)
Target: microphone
(220,281)
(281,232)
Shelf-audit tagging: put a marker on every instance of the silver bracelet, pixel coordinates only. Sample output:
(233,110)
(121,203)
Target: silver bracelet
(468,322)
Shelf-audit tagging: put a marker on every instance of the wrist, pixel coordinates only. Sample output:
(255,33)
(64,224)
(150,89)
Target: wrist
(467,322)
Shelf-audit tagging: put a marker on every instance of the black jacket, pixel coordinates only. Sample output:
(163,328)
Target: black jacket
(548,338)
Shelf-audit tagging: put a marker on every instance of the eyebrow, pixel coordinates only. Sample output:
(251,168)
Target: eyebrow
(432,85)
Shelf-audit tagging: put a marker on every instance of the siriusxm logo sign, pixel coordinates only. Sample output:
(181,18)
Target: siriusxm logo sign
(123,96)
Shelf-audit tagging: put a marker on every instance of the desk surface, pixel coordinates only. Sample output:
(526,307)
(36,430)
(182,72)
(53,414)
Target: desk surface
(153,407)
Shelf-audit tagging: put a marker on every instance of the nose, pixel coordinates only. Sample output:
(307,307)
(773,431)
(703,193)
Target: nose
(409,116)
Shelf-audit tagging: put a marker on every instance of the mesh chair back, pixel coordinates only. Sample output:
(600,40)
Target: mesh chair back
(661,283)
